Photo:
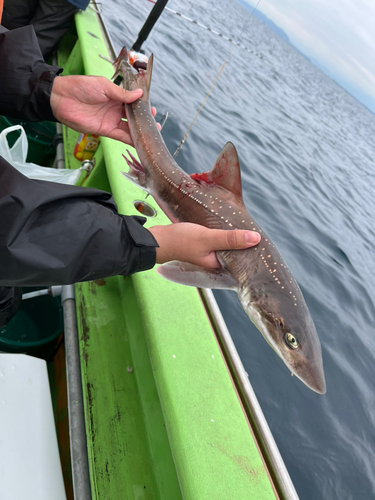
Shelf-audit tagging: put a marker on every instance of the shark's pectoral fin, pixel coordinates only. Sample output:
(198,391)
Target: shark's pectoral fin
(190,275)
(136,172)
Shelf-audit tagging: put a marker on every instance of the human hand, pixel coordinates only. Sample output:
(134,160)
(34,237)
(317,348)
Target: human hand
(93,105)
(197,244)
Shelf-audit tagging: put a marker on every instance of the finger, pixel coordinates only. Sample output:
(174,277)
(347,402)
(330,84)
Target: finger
(211,261)
(153,111)
(121,135)
(235,240)
(116,93)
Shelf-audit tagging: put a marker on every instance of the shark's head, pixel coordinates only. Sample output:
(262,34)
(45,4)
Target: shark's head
(285,322)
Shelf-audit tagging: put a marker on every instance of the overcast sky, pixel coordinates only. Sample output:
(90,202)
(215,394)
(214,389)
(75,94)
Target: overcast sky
(340,34)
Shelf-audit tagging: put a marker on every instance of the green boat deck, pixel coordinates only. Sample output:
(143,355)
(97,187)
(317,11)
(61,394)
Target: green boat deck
(163,418)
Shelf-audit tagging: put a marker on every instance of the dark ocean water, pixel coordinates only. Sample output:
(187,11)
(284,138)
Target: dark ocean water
(308,167)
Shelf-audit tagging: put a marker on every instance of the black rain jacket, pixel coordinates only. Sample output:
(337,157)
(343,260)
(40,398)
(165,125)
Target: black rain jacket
(53,233)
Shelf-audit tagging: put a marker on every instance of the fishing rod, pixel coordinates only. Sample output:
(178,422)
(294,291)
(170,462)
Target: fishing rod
(154,15)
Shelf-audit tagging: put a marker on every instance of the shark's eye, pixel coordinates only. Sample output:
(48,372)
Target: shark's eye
(291,340)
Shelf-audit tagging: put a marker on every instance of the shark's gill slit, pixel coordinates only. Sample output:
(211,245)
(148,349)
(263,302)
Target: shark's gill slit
(144,208)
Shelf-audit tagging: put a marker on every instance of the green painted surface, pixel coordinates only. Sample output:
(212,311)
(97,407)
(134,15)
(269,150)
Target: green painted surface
(129,451)
(179,380)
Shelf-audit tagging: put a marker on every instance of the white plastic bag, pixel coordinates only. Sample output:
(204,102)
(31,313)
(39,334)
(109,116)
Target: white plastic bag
(16,156)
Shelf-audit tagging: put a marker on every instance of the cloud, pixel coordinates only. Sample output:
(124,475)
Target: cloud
(338,34)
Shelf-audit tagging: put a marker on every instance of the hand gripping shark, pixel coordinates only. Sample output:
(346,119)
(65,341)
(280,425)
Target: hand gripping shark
(265,286)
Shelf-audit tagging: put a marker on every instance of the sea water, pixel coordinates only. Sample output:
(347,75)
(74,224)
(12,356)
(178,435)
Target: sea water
(307,156)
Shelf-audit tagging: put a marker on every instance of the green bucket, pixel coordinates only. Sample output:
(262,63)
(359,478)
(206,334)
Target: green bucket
(35,328)
(40,138)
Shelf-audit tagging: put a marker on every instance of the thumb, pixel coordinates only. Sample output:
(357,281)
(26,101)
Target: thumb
(116,93)
(236,239)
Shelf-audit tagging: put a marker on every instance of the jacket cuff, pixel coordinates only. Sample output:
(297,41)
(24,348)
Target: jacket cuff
(42,80)
(143,240)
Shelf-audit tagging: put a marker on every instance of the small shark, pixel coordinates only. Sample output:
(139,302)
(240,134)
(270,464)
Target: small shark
(265,286)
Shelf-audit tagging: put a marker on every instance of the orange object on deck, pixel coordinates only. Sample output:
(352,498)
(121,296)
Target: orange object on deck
(86,146)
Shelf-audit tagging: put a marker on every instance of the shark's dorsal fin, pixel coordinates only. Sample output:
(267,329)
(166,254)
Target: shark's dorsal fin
(226,172)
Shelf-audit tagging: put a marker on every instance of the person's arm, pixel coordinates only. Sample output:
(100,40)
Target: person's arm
(30,90)
(59,234)
(26,80)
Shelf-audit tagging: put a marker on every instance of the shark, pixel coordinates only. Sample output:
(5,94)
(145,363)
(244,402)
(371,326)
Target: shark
(266,288)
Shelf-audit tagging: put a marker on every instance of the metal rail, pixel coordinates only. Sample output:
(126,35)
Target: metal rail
(77,430)
(266,442)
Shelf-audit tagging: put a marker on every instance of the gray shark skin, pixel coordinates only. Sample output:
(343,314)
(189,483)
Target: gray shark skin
(266,288)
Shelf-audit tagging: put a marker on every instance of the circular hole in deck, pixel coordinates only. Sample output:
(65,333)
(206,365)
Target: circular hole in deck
(144,208)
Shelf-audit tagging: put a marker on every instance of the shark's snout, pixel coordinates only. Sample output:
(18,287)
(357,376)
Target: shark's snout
(313,377)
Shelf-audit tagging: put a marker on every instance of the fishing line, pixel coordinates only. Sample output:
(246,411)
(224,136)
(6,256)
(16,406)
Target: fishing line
(213,85)
(209,29)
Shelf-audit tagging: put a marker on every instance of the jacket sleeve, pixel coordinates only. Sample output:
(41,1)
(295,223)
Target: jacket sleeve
(54,234)
(26,80)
